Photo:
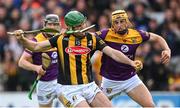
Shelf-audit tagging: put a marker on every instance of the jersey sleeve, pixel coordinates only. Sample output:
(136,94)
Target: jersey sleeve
(102,33)
(100,44)
(53,41)
(145,35)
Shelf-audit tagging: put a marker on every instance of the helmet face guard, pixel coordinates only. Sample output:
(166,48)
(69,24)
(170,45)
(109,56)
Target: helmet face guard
(52,19)
(120,15)
(74,18)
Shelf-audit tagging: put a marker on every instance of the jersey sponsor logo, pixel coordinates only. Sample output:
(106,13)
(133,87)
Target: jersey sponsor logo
(54,61)
(124,48)
(130,56)
(54,55)
(77,50)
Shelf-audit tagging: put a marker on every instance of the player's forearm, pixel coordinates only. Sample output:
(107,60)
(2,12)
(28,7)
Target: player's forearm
(120,57)
(35,46)
(117,56)
(163,44)
(27,65)
(29,44)
(161,41)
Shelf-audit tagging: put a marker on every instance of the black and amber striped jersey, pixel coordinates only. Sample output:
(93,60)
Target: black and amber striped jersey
(74,56)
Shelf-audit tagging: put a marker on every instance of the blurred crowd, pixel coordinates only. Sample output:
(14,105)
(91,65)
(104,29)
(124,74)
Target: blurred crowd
(159,16)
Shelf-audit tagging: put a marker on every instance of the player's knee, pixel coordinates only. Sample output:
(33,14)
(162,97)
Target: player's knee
(108,104)
(152,104)
(149,104)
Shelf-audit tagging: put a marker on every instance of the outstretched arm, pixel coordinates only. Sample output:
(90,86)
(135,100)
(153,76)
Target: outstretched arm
(25,62)
(31,45)
(120,57)
(166,53)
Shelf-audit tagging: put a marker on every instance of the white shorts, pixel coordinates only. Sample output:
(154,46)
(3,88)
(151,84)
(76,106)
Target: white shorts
(111,88)
(71,95)
(46,91)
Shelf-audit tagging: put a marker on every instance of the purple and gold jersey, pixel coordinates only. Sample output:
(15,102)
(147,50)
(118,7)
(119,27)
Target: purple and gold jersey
(127,44)
(52,70)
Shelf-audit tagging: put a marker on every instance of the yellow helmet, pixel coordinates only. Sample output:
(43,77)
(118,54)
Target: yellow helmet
(119,14)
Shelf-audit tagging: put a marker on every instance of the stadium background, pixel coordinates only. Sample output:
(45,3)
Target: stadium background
(159,16)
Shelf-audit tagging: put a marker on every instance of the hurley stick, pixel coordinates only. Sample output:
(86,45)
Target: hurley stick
(46,61)
(50,30)
(80,31)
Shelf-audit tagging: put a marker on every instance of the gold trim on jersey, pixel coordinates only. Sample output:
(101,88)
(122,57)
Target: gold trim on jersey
(94,42)
(84,60)
(40,37)
(133,37)
(60,51)
(72,61)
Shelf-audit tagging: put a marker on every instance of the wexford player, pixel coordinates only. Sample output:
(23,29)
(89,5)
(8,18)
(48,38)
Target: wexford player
(120,77)
(32,61)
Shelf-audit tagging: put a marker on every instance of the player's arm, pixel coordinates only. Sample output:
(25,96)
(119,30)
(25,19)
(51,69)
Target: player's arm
(166,53)
(31,45)
(25,62)
(117,55)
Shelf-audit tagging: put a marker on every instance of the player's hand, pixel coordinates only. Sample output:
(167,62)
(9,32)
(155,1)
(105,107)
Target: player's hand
(40,70)
(63,31)
(138,65)
(19,34)
(165,56)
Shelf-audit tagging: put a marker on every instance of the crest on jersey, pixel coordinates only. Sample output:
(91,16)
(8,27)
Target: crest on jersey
(78,42)
(74,98)
(108,90)
(98,32)
(77,50)
(90,43)
(124,48)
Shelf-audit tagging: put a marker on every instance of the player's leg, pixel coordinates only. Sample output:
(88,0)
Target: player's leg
(112,88)
(100,100)
(95,96)
(71,95)
(83,104)
(139,92)
(46,105)
(46,93)
(142,96)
